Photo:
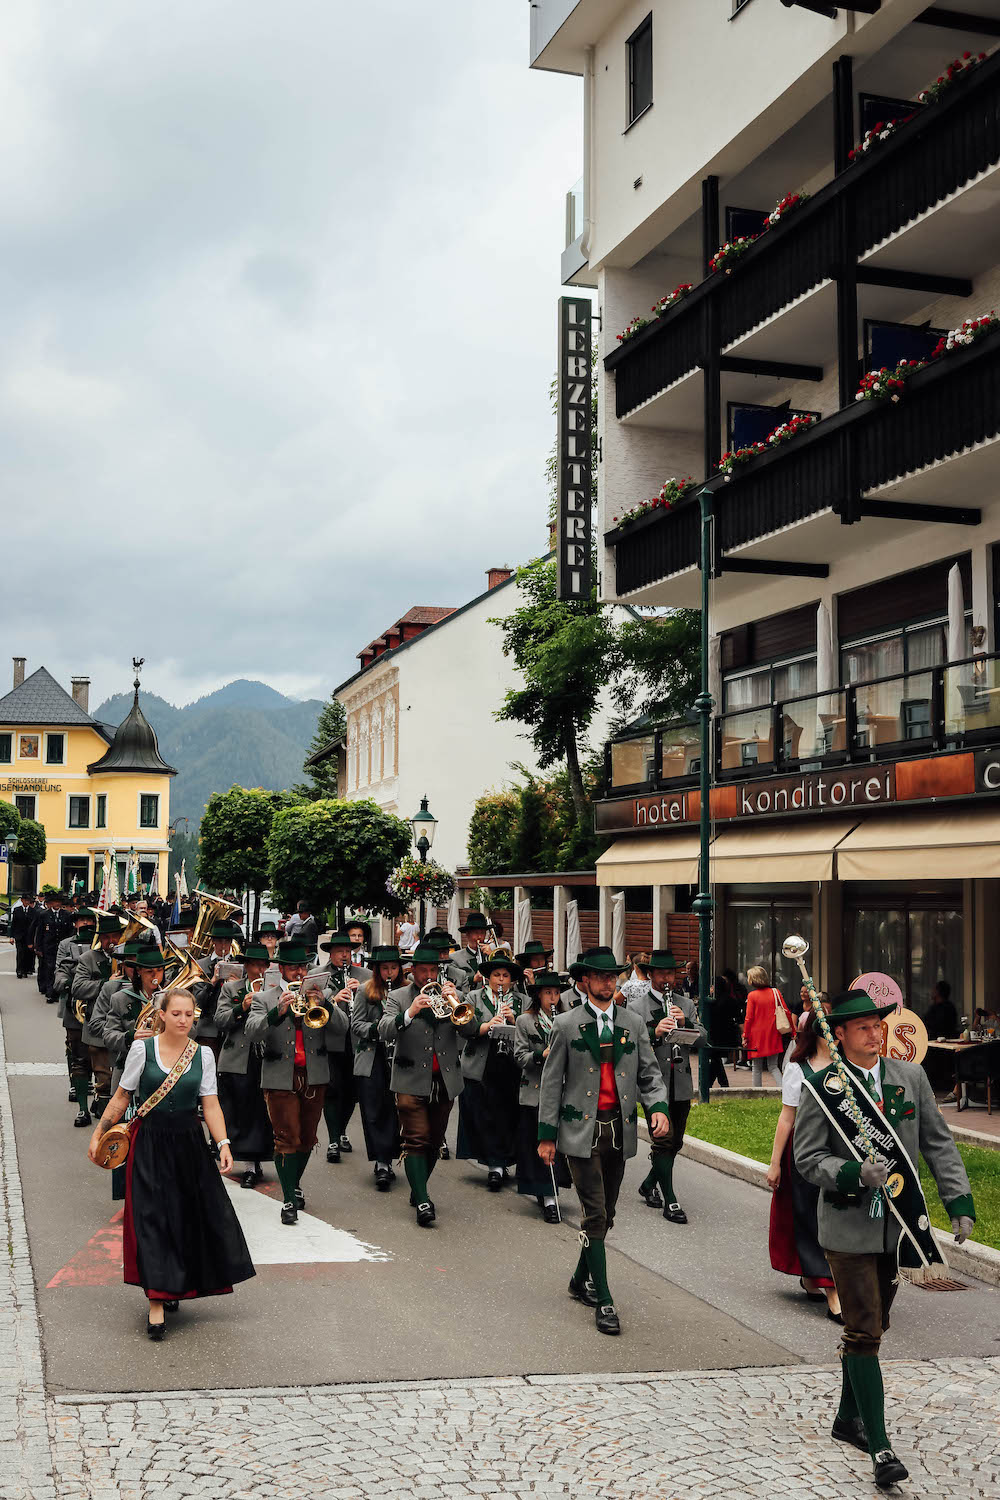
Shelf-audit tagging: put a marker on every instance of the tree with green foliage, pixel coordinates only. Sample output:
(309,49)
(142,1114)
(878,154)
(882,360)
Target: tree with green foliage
(10,820)
(31,843)
(335,852)
(330,727)
(491,833)
(233,840)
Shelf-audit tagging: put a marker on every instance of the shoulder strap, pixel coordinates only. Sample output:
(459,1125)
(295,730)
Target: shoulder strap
(161,1093)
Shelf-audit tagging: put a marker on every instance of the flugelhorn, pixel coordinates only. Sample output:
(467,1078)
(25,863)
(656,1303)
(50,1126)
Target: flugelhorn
(310,1013)
(443,1006)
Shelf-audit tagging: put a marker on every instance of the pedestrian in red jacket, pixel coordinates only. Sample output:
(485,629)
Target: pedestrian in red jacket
(761,1037)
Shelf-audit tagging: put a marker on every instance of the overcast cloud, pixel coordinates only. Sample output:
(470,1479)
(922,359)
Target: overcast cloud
(279,286)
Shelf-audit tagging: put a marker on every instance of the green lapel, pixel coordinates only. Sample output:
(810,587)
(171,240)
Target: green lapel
(588,1032)
(623,1041)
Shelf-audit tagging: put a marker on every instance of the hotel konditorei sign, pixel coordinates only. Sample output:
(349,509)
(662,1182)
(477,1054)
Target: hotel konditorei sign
(29,784)
(574,421)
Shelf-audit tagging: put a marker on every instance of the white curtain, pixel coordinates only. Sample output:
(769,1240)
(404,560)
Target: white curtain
(956,615)
(618,925)
(454,915)
(522,925)
(573,943)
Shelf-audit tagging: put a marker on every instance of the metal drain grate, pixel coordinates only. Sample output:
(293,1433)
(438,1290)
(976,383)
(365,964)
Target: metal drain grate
(939,1286)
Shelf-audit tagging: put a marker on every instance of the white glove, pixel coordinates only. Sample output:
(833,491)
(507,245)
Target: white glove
(874,1173)
(962,1227)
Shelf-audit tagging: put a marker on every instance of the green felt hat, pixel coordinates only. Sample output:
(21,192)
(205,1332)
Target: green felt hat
(854,1005)
(292,952)
(534,949)
(267,927)
(546,979)
(425,955)
(225,930)
(474,922)
(184,920)
(662,958)
(339,939)
(255,953)
(127,951)
(502,961)
(442,941)
(581,964)
(106,924)
(388,953)
(596,963)
(148,957)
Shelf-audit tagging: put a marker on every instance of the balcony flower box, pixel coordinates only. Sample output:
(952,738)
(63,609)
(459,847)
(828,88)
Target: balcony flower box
(955,70)
(670,492)
(886,384)
(967,333)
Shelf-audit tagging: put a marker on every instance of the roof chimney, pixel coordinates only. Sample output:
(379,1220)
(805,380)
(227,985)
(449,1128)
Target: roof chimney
(18,670)
(81,692)
(496,576)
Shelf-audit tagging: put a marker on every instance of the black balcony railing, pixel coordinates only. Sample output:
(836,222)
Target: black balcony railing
(934,154)
(945,409)
(943,707)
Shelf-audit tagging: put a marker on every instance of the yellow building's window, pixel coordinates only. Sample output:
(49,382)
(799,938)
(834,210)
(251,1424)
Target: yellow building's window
(6,749)
(101,818)
(149,810)
(79,812)
(55,749)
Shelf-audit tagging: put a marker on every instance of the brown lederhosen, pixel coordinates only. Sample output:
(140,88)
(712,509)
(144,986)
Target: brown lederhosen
(866,1287)
(295,1113)
(100,1063)
(423,1121)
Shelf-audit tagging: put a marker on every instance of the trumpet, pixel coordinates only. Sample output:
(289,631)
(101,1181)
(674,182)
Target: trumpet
(443,1006)
(310,1013)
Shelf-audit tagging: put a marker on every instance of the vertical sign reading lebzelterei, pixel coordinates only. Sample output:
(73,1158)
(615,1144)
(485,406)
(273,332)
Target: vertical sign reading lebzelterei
(573,574)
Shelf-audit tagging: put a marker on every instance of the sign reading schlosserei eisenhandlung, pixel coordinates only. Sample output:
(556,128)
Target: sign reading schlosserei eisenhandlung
(574,420)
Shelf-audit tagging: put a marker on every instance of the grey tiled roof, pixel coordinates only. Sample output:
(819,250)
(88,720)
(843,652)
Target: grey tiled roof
(40,700)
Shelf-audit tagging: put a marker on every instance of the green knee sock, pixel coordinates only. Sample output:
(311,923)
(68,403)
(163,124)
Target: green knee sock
(81,1090)
(663,1171)
(331,1115)
(415,1167)
(848,1409)
(301,1162)
(648,1180)
(597,1263)
(582,1270)
(866,1380)
(431,1158)
(285,1168)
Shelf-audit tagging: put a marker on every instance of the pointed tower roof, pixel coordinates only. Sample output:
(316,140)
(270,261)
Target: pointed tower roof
(134,746)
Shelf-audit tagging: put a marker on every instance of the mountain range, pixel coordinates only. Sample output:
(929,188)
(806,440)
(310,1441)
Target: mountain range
(245,733)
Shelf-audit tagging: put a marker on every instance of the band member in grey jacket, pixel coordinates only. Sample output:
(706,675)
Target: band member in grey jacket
(295,1072)
(488,1108)
(426,1074)
(599,1069)
(68,955)
(92,973)
(372,1064)
(463,966)
(665,1010)
(532,1030)
(343,977)
(240,1094)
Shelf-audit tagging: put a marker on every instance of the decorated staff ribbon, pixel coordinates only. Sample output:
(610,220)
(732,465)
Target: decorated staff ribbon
(917,1251)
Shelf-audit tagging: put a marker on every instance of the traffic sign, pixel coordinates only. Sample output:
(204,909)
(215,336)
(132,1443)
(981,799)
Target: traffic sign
(3,854)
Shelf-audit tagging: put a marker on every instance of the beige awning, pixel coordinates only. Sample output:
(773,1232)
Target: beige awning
(650,859)
(959,845)
(763,852)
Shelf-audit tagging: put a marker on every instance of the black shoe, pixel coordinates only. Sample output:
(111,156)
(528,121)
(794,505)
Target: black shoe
(82,1119)
(333,1153)
(172,1306)
(383,1179)
(850,1431)
(835,1317)
(96,1110)
(888,1469)
(155,1331)
(72,1097)
(250,1178)
(583,1291)
(425,1215)
(50,999)
(811,1296)
(607,1319)
(494,1181)
(300,1198)
(651,1196)
(550,1213)
(444,1154)
(345,1145)
(675,1214)
(289,1213)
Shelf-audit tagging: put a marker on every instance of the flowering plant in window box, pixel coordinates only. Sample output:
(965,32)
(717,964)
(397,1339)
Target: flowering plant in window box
(727,463)
(780,210)
(791,428)
(953,71)
(670,492)
(968,332)
(663,303)
(632,328)
(727,255)
(881,131)
(886,384)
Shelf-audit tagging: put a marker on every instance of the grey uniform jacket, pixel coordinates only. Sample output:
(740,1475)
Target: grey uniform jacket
(461,969)
(571,1077)
(92,974)
(416,1044)
(653,1011)
(477,1048)
(99,1014)
(119,1024)
(568,999)
(278,1037)
(366,1014)
(823,1158)
(231,1019)
(68,955)
(206,999)
(530,1042)
(333,986)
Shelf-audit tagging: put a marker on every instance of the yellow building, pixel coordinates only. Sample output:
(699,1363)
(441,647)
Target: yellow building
(91,786)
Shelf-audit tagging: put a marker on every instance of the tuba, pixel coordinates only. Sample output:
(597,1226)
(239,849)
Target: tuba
(444,1007)
(211,909)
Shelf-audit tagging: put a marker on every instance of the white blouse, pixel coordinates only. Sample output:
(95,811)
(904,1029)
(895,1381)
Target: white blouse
(136,1061)
(792,1078)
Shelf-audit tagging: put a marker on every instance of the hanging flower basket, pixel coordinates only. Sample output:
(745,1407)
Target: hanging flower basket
(727,255)
(886,384)
(967,333)
(955,70)
(413,881)
(671,491)
(781,210)
(665,303)
(631,329)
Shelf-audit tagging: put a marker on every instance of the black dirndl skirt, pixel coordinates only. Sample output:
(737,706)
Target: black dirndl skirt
(181,1234)
(247,1122)
(377,1103)
(488,1114)
(533,1177)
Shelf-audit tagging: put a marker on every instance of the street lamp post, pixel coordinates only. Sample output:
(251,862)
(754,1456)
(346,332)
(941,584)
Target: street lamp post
(423,824)
(11,842)
(702,902)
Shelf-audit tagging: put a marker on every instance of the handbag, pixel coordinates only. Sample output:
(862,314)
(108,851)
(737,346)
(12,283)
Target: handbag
(115,1143)
(782,1019)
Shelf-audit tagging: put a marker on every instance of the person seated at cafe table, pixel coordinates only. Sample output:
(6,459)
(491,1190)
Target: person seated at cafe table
(941,1019)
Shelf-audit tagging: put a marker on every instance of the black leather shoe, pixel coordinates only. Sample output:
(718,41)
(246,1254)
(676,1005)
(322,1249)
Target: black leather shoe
(444,1154)
(583,1291)
(289,1213)
(332,1153)
(345,1145)
(82,1119)
(835,1317)
(675,1214)
(172,1306)
(95,1110)
(72,1097)
(550,1213)
(425,1215)
(853,1432)
(383,1179)
(300,1198)
(607,1319)
(249,1179)
(155,1331)
(494,1181)
(888,1469)
(651,1196)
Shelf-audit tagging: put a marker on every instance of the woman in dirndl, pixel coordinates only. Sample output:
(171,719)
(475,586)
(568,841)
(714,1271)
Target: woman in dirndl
(488,1105)
(372,1067)
(182,1238)
(240,1094)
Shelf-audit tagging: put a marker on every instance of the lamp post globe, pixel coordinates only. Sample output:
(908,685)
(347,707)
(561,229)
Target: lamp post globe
(423,824)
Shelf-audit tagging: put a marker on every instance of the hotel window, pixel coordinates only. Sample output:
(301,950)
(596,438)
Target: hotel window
(770,684)
(55,749)
(149,810)
(6,749)
(25,806)
(101,816)
(79,812)
(640,69)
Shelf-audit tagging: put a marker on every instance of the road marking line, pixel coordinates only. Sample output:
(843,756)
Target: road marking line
(36,1070)
(272,1243)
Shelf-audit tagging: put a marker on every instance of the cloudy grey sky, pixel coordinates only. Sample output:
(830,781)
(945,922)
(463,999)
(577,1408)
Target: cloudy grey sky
(279,285)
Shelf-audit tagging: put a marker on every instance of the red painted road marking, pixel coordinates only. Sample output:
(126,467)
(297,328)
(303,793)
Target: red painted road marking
(99,1263)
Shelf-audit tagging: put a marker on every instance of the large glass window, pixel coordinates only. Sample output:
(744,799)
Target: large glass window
(25,806)
(770,684)
(916,940)
(149,810)
(79,812)
(6,749)
(756,927)
(55,747)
